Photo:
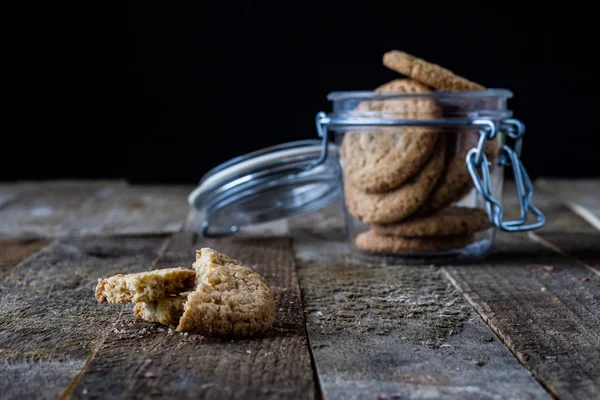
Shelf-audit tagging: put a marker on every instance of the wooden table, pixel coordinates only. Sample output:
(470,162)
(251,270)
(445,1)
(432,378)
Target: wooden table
(524,324)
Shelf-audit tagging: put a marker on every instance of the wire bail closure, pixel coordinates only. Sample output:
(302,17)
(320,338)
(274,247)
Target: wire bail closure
(475,158)
(508,156)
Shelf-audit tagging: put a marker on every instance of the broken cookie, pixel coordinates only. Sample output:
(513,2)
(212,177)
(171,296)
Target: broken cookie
(231,300)
(219,297)
(166,311)
(145,286)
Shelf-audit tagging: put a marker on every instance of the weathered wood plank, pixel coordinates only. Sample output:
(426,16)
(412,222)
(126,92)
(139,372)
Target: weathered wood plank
(582,196)
(50,322)
(395,331)
(10,190)
(140,209)
(583,246)
(41,209)
(16,250)
(546,309)
(143,358)
(559,217)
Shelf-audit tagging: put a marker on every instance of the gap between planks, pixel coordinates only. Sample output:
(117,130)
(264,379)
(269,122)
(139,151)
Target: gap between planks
(538,239)
(480,312)
(189,366)
(390,352)
(520,329)
(558,221)
(71,386)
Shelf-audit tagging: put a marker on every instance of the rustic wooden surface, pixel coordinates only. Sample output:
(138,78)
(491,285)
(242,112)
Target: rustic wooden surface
(50,323)
(40,210)
(396,331)
(16,250)
(545,307)
(139,357)
(524,323)
(580,195)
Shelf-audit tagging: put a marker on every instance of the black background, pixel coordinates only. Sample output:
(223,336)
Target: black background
(163,92)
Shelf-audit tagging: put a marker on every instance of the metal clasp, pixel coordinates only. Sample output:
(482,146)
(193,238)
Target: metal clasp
(476,158)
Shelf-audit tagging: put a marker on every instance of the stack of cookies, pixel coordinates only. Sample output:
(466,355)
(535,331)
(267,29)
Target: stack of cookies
(404,181)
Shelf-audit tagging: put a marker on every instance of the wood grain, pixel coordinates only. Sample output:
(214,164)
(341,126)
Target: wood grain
(144,358)
(130,210)
(395,331)
(544,306)
(10,190)
(582,196)
(50,322)
(559,217)
(582,247)
(16,250)
(40,210)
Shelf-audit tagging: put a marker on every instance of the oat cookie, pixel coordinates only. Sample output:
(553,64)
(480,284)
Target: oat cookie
(370,241)
(449,221)
(376,162)
(428,73)
(208,259)
(166,311)
(455,182)
(399,203)
(230,301)
(406,107)
(456,176)
(145,286)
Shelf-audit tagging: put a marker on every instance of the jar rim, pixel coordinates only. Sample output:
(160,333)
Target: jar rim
(372,95)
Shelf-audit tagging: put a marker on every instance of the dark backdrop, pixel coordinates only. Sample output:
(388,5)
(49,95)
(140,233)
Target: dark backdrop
(163,92)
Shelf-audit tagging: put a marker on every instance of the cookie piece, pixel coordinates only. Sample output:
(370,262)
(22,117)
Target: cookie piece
(371,241)
(399,203)
(450,221)
(208,259)
(230,301)
(166,311)
(428,73)
(376,162)
(145,286)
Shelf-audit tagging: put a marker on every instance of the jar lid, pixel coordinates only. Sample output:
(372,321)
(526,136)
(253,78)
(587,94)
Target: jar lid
(276,182)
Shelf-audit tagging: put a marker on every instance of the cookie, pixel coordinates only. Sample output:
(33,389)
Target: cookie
(230,300)
(455,182)
(376,162)
(413,107)
(450,221)
(428,73)
(370,241)
(399,203)
(208,259)
(455,176)
(166,311)
(145,286)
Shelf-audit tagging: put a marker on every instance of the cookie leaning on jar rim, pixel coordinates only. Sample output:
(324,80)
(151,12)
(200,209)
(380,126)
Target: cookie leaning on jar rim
(410,185)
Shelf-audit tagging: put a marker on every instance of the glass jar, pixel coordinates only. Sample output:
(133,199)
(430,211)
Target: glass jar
(419,174)
(422,172)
